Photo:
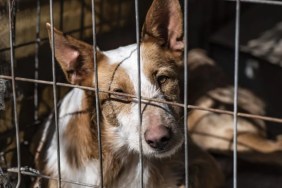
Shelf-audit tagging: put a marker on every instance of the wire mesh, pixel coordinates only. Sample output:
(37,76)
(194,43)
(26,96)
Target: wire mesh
(28,171)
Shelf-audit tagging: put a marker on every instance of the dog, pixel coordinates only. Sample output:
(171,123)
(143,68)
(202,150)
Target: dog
(162,131)
(214,131)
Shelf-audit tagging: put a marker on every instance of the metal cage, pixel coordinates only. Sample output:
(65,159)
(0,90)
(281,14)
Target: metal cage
(92,18)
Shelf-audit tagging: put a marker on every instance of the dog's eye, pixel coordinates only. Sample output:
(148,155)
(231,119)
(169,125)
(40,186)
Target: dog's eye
(123,97)
(118,90)
(162,79)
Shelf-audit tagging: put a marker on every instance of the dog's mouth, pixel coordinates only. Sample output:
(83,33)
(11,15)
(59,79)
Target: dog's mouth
(162,151)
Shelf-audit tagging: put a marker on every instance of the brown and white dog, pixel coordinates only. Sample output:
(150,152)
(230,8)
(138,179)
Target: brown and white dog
(162,128)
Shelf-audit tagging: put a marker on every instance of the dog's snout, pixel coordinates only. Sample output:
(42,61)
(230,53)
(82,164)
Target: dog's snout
(158,136)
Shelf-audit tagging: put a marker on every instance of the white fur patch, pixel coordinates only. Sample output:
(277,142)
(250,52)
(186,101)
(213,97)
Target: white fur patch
(89,172)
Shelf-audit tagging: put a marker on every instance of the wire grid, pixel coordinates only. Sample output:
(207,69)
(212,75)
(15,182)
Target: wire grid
(31,172)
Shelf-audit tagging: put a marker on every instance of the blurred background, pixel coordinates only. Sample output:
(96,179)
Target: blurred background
(211,27)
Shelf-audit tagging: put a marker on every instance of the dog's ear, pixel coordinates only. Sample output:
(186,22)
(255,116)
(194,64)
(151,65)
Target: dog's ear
(75,57)
(163,24)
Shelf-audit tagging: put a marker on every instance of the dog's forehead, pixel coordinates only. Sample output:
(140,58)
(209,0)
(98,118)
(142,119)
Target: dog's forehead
(127,58)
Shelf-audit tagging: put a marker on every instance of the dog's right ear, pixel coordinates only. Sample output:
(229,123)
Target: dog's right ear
(75,57)
(163,25)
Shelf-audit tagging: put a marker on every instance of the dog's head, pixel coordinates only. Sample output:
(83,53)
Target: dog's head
(161,66)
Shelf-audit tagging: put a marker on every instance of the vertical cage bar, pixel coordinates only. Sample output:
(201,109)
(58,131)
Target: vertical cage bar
(185,39)
(12,20)
(139,91)
(235,107)
(36,60)
(97,93)
(55,93)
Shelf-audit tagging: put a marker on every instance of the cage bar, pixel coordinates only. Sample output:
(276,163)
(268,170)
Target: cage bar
(269,2)
(146,100)
(55,92)
(235,105)
(12,24)
(97,93)
(185,59)
(36,60)
(139,91)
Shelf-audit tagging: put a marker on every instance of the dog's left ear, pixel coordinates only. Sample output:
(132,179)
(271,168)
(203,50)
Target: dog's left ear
(75,57)
(163,24)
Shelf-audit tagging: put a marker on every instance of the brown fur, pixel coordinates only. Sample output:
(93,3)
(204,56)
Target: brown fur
(81,132)
(163,62)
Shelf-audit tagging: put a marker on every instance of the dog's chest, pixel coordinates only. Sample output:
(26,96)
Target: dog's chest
(87,172)
(154,175)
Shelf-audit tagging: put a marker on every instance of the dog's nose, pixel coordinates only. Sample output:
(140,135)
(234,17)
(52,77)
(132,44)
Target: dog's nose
(158,136)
